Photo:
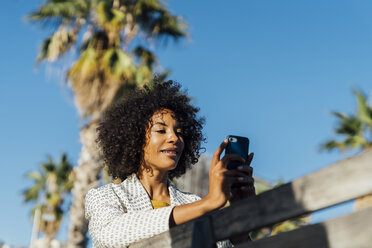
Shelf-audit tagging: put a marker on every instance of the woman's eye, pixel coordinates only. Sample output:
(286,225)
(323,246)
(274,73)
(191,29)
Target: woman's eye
(160,131)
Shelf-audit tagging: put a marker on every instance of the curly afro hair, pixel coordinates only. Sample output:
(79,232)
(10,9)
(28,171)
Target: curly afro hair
(122,131)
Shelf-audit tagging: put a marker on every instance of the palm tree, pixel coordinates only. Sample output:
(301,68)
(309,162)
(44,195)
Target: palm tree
(112,39)
(356,133)
(50,186)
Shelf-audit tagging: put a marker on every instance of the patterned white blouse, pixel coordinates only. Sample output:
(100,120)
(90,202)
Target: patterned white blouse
(120,214)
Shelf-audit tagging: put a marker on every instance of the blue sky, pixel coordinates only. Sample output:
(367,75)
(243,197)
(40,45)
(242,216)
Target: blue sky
(269,70)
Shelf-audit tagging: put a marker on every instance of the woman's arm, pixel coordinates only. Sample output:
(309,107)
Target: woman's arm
(220,181)
(184,213)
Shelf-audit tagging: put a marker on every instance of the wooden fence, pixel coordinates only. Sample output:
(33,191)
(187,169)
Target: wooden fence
(338,183)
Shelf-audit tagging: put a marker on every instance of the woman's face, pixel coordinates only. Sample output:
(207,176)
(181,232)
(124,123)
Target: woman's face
(164,142)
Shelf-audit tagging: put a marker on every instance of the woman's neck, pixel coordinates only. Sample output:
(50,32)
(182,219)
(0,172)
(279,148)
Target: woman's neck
(155,184)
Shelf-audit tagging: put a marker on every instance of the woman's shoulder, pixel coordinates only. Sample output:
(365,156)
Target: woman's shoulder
(109,186)
(96,198)
(99,193)
(129,185)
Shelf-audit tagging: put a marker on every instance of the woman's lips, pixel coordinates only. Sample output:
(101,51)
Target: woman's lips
(170,152)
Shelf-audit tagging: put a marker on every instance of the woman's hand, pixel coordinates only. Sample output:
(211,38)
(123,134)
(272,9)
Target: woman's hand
(246,182)
(220,181)
(220,178)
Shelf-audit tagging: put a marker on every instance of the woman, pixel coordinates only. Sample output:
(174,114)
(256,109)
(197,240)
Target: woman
(149,138)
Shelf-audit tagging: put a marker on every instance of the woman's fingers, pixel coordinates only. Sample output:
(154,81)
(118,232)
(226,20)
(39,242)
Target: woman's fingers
(248,188)
(238,177)
(246,180)
(230,157)
(248,170)
(239,182)
(250,158)
(242,176)
(218,152)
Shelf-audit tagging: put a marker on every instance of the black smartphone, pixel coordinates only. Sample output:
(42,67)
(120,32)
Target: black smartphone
(237,145)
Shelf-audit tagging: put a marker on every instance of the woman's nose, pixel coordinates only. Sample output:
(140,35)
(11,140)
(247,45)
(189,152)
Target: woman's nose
(173,137)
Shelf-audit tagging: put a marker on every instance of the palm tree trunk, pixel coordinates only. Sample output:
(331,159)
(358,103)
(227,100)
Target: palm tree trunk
(87,174)
(48,240)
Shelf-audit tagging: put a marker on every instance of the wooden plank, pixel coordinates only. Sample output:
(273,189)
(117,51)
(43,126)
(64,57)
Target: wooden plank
(197,233)
(343,181)
(179,236)
(353,230)
(162,240)
(202,234)
(335,184)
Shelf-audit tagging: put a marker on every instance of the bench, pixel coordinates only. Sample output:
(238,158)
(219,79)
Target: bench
(343,181)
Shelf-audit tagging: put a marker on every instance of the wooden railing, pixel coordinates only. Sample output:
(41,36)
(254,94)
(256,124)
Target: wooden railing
(338,183)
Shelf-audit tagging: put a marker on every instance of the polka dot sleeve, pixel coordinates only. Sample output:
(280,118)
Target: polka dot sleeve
(111,226)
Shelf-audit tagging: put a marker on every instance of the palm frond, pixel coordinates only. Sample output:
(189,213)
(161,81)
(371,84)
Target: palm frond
(49,166)
(109,18)
(332,145)
(350,126)
(356,141)
(36,176)
(162,75)
(58,212)
(98,41)
(56,45)
(67,10)
(290,225)
(353,128)
(65,174)
(54,199)
(145,56)
(143,75)
(339,115)
(155,20)
(117,64)
(363,110)
(167,25)
(97,78)
(64,169)
(143,9)
(85,66)
(32,194)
